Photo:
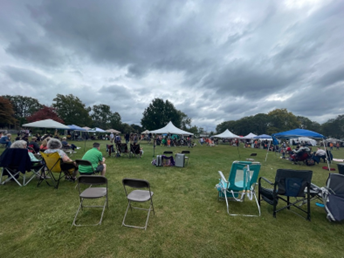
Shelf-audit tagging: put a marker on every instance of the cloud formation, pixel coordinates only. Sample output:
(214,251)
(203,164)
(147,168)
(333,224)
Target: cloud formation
(215,61)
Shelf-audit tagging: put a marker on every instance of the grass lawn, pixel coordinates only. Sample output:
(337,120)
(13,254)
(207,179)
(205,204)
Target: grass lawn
(189,220)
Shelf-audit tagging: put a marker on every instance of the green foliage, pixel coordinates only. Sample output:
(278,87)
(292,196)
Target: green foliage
(189,221)
(334,127)
(281,120)
(23,107)
(159,113)
(101,116)
(72,110)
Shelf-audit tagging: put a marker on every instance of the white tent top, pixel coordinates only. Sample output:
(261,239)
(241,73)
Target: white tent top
(249,136)
(97,130)
(112,131)
(145,132)
(47,123)
(87,128)
(170,128)
(227,134)
(305,139)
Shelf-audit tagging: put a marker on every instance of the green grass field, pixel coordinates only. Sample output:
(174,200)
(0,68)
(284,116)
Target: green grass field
(189,220)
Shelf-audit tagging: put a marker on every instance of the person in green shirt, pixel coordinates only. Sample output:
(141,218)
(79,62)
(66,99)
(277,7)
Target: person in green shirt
(97,160)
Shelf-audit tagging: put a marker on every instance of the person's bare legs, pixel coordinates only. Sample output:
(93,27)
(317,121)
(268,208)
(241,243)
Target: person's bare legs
(104,170)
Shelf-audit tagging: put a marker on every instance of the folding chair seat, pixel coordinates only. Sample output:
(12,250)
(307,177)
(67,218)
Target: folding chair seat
(92,193)
(15,162)
(124,149)
(53,166)
(242,181)
(137,196)
(186,152)
(288,183)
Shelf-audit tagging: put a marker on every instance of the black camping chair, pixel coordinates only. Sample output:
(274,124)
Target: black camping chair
(288,183)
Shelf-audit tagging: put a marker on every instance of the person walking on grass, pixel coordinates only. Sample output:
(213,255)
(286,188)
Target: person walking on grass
(97,160)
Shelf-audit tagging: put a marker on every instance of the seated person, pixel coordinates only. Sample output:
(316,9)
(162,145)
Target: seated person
(44,145)
(33,144)
(97,160)
(321,154)
(68,146)
(6,140)
(54,145)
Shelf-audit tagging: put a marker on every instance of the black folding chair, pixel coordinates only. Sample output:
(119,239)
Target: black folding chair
(288,183)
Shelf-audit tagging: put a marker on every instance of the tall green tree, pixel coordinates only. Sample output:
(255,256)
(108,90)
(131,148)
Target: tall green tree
(72,110)
(306,123)
(6,112)
(281,120)
(23,107)
(334,127)
(159,113)
(115,121)
(101,116)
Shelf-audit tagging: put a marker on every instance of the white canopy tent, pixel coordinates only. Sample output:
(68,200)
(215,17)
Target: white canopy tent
(112,131)
(145,132)
(250,136)
(303,139)
(47,123)
(171,129)
(227,134)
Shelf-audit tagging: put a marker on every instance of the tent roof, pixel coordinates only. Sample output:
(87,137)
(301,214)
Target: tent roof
(170,128)
(96,130)
(249,136)
(263,137)
(47,123)
(145,132)
(227,134)
(76,128)
(298,133)
(87,128)
(112,131)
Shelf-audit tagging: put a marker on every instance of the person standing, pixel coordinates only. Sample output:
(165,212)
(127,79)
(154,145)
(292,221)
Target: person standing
(112,136)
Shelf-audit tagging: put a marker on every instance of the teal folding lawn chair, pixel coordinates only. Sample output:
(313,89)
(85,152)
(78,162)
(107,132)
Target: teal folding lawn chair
(241,183)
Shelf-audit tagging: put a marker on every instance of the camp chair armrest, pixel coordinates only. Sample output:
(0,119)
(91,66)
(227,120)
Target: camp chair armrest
(266,180)
(222,176)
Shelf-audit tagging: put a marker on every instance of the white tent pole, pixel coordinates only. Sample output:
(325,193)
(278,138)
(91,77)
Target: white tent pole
(267,153)
(327,159)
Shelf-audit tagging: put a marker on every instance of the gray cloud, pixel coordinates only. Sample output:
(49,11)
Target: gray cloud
(215,61)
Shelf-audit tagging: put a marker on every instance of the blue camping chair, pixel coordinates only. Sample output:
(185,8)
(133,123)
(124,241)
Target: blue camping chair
(241,182)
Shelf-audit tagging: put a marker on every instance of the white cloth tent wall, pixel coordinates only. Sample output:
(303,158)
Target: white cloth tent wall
(170,128)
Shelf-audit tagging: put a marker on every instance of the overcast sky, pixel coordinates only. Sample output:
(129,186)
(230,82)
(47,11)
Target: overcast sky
(214,60)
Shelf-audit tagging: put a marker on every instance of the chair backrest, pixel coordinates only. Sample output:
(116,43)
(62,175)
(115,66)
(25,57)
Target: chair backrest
(84,162)
(123,147)
(335,184)
(52,161)
(243,175)
(16,158)
(168,152)
(292,182)
(136,183)
(185,152)
(92,180)
(135,148)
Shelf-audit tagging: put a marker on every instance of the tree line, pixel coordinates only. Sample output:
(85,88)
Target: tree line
(69,109)
(280,120)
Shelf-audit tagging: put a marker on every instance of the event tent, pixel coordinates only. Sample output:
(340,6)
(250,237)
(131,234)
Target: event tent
(96,130)
(263,137)
(250,136)
(112,131)
(87,128)
(145,132)
(303,139)
(76,128)
(298,133)
(47,123)
(226,134)
(171,129)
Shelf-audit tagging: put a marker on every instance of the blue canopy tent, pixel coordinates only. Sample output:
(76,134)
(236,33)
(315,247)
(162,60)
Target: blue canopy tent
(298,133)
(78,128)
(302,133)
